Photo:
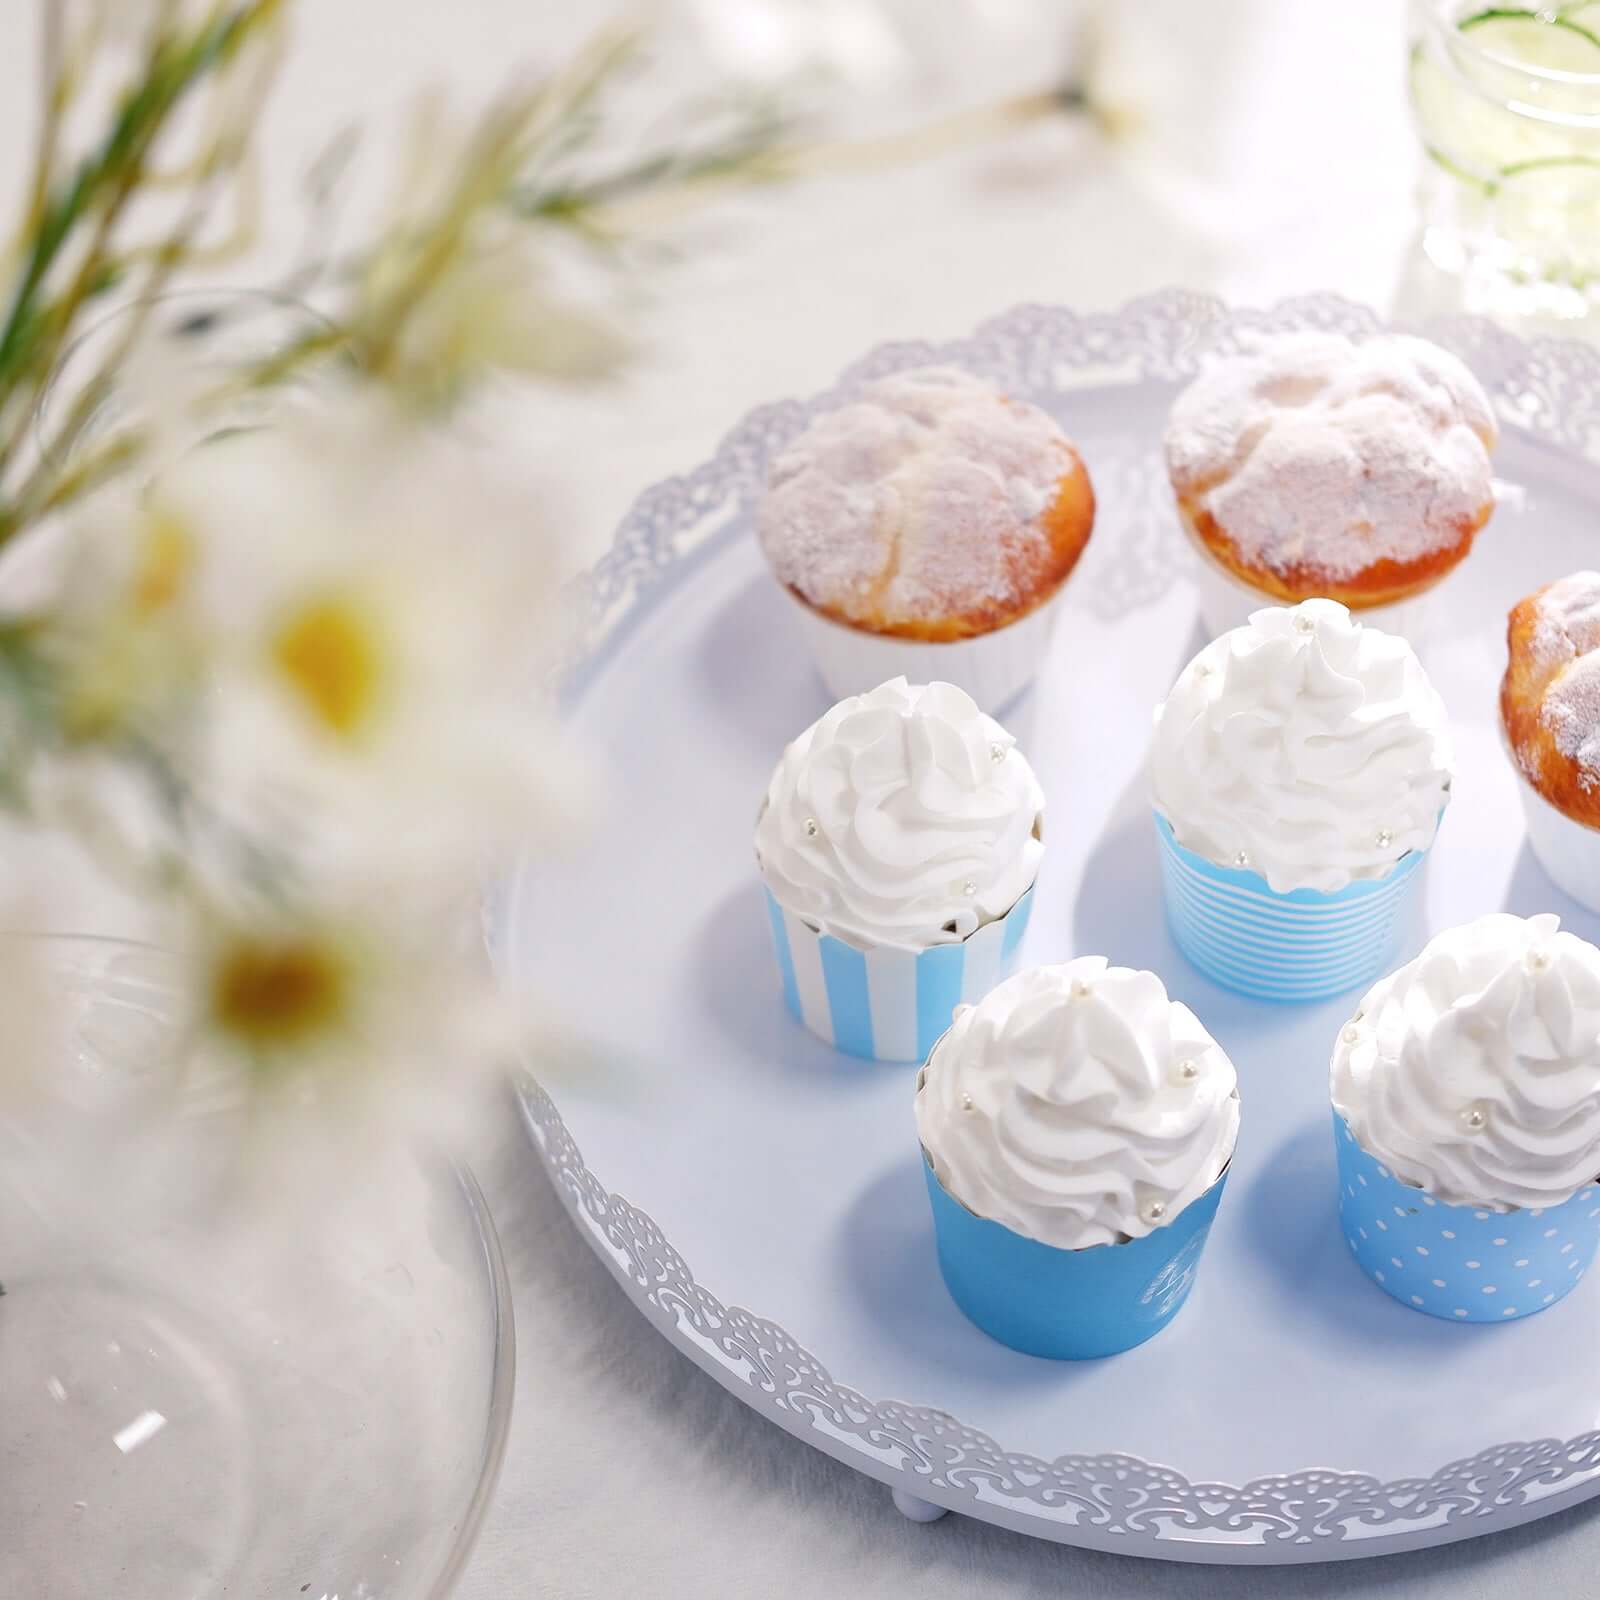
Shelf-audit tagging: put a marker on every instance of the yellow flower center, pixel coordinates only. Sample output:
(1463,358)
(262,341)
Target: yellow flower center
(279,993)
(135,651)
(166,559)
(330,653)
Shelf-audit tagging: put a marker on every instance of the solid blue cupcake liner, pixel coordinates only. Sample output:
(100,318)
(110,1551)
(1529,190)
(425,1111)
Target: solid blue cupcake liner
(1071,1305)
(888,1004)
(1304,945)
(1460,1263)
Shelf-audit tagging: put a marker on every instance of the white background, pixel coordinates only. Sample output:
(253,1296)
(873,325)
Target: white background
(1277,161)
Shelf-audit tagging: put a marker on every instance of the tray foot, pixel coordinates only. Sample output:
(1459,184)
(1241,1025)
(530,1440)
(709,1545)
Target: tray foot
(916,1510)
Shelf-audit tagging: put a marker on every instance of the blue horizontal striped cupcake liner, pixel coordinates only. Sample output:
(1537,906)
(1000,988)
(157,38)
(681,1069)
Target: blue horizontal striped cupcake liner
(1068,1305)
(1460,1263)
(1304,945)
(888,1004)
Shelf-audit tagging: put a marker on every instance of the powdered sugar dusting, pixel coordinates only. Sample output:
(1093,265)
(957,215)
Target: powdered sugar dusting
(1572,713)
(1316,451)
(921,499)
(1566,619)
(1567,630)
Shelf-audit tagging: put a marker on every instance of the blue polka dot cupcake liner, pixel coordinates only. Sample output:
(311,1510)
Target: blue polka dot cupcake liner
(1461,1263)
(1237,930)
(1068,1305)
(883,1003)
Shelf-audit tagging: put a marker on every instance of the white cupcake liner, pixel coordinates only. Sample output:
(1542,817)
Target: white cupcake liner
(1569,851)
(1227,601)
(994,668)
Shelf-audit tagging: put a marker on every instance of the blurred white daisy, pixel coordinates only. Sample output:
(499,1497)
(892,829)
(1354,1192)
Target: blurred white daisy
(495,308)
(118,641)
(451,293)
(324,987)
(325,640)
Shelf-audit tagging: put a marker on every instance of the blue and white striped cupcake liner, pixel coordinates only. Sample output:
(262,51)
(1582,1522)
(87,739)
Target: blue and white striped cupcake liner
(1305,945)
(888,1004)
(1460,1263)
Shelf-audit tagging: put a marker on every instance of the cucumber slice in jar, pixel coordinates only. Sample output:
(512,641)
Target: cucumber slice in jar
(1547,40)
(1551,209)
(1469,134)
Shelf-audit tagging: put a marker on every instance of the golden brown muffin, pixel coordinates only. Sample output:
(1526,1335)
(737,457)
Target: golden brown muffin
(1550,696)
(933,507)
(1314,466)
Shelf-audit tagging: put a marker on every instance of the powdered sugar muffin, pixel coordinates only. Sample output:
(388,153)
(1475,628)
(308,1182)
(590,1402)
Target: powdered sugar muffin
(1550,709)
(1316,466)
(924,529)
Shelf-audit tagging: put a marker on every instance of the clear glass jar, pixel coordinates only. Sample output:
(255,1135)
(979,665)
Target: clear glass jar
(210,1387)
(1507,105)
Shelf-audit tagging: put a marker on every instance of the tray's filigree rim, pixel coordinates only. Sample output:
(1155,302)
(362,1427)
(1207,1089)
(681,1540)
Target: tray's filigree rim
(1548,387)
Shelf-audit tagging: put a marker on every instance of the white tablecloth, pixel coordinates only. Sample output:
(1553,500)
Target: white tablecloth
(630,1472)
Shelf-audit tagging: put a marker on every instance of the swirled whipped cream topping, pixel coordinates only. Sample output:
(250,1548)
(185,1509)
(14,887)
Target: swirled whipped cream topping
(903,817)
(1474,1071)
(1078,1105)
(1304,746)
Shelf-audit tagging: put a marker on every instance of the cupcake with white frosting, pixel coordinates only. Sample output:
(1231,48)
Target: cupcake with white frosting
(899,841)
(1299,769)
(1077,1126)
(1466,1097)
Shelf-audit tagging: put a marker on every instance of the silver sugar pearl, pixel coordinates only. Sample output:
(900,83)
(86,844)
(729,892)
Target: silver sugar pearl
(1202,669)
(997,753)
(1538,960)
(1351,1034)
(1153,1210)
(1384,838)
(969,888)
(1242,858)
(1304,624)
(1081,989)
(812,830)
(967,1103)
(1475,1119)
(1188,1071)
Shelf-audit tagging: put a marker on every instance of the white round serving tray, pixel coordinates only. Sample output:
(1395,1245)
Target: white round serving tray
(718,1157)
